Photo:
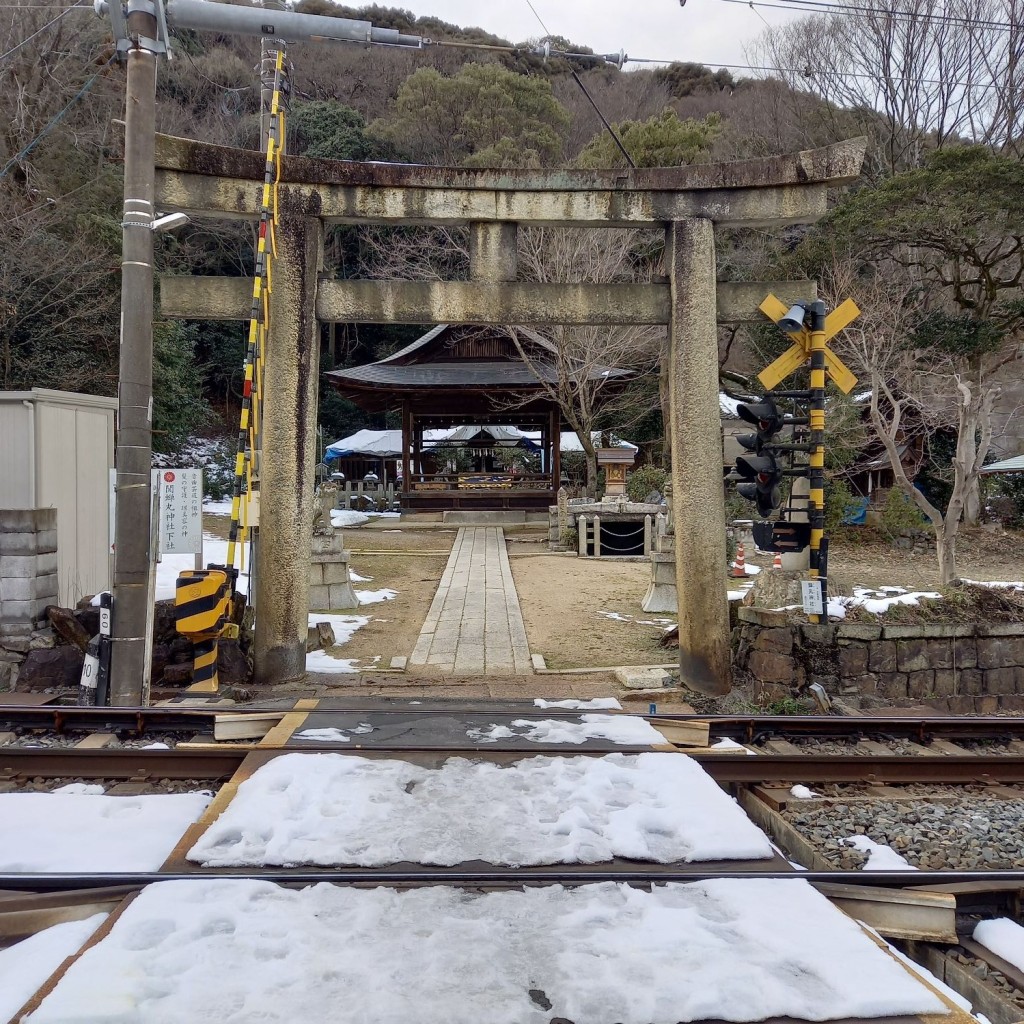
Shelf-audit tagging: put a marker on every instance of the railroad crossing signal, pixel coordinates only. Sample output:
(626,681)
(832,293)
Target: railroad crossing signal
(760,470)
(797,355)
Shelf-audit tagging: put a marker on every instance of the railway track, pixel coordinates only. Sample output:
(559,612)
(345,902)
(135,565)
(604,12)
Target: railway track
(926,908)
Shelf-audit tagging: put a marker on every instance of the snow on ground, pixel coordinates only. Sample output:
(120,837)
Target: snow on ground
(340,809)
(880,856)
(375,596)
(727,744)
(344,626)
(663,624)
(215,552)
(216,508)
(997,584)
(238,951)
(879,601)
(922,972)
(1004,937)
(26,965)
(595,704)
(354,577)
(625,729)
(347,517)
(88,832)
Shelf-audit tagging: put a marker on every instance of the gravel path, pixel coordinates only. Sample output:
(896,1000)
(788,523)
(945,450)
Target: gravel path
(979,833)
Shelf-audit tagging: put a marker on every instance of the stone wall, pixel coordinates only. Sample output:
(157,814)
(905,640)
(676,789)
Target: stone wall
(330,586)
(28,583)
(956,661)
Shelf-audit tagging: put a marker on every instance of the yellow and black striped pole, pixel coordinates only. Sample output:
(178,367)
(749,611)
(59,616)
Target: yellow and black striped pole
(816,471)
(250,420)
(202,600)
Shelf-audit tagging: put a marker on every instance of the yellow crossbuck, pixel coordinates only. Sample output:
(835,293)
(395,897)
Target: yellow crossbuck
(794,357)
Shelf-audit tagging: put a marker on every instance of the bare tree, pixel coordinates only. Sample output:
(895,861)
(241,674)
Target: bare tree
(913,390)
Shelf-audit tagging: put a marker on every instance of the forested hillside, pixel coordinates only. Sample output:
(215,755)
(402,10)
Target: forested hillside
(930,241)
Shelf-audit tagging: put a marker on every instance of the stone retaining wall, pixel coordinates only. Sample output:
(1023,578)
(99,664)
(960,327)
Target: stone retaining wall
(922,662)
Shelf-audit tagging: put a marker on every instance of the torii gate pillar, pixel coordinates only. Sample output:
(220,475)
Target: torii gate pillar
(292,375)
(698,496)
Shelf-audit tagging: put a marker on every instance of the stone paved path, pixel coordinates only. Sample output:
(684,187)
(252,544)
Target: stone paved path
(475,625)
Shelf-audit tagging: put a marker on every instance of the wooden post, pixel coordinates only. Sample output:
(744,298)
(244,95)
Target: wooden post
(699,500)
(406,444)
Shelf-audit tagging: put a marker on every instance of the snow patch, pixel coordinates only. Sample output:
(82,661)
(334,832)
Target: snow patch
(335,735)
(341,517)
(110,833)
(803,793)
(375,596)
(727,744)
(216,508)
(879,601)
(79,789)
(215,552)
(880,856)
(726,949)
(338,809)
(623,729)
(26,965)
(1004,937)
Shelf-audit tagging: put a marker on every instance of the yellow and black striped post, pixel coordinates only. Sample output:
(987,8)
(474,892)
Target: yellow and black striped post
(202,601)
(246,458)
(816,470)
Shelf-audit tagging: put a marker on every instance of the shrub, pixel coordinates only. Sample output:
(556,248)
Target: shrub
(899,514)
(644,480)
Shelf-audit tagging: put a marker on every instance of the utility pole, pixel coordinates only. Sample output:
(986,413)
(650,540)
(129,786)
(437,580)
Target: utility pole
(819,545)
(129,671)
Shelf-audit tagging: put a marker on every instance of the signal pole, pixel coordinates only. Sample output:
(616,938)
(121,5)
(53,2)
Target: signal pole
(816,474)
(129,670)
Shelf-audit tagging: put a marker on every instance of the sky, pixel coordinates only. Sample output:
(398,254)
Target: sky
(711,32)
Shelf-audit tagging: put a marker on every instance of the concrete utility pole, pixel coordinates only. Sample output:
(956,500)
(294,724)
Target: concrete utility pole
(129,671)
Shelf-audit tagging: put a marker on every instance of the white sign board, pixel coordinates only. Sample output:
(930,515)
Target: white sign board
(810,590)
(181,511)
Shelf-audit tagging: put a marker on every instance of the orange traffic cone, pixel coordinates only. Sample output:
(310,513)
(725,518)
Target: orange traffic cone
(777,561)
(739,567)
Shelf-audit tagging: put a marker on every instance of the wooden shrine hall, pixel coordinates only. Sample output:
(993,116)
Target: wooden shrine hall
(460,375)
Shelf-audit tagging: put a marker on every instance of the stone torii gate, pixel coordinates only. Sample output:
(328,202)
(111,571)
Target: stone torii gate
(687,203)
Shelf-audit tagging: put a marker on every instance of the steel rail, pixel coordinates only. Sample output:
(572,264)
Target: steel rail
(746,728)
(811,768)
(61,881)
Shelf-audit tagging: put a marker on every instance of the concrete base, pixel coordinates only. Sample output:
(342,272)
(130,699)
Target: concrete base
(661,595)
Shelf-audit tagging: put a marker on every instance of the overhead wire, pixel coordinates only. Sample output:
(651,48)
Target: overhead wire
(858,11)
(39,31)
(586,92)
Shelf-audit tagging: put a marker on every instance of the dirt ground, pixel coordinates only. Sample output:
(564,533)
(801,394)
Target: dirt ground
(583,613)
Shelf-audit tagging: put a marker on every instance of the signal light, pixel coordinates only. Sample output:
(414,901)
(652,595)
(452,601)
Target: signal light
(764,475)
(766,417)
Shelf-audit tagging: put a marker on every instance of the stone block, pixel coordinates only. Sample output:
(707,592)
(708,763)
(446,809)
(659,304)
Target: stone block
(643,678)
(961,704)
(965,653)
(19,588)
(771,667)
(399,662)
(47,542)
(27,520)
(538,663)
(939,652)
(1004,680)
(335,572)
(763,616)
(316,574)
(819,634)
(319,599)
(59,667)
(867,684)
(8,675)
(853,660)
(986,704)
(882,656)
(912,656)
(1012,702)
(15,629)
(13,567)
(328,544)
(1001,629)
(777,641)
(921,683)
(1000,651)
(945,682)
(19,544)
(46,588)
(25,612)
(342,596)
(892,685)
(858,631)
(971,681)
(46,564)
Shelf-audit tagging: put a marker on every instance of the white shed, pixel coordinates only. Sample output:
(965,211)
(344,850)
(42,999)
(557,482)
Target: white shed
(57,451)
